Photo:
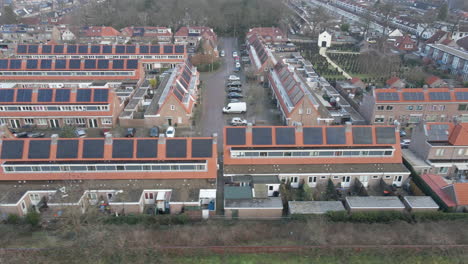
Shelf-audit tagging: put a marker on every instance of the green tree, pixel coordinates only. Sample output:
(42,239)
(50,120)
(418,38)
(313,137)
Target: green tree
(8,16)
(443,12)
(153,83)
(330,192)
(344,27)
(307,194)
(33,218)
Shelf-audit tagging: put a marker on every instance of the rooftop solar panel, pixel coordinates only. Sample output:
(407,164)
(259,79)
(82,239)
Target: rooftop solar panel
(261,136)
(71,49)
(176,148)
(147,148)
(3,64)
(235,136)
(33,49)
(58,49)
(82,49)
(62,95)
(285,135)
(130,49)
(439,96)
(155,49)
(103,64)
(168,49)
(95,49)
(15,64)
(120,49)
(179,95)
(461,95)
(312,135)
(67,149)
(413,96)
(336,135)
(83,95)
(122,148)
(12,149)
(100,95)
(144,49)
(385,135)
(93,148)
(46,64)
(90,64)
(74,64)
(24,95)
(60,64)
(362,135)
(31,64)
(44,95)
(388,96)
(117,64)
(107,49)
(7,95)
(46,49)
(39,149)
(132,64)
(179,49)
(22,49)
(202,148)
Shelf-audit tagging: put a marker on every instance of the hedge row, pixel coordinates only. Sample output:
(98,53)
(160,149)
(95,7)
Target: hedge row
(392,216)
(147,220)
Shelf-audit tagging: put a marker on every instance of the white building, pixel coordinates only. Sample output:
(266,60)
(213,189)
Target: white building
(324,40)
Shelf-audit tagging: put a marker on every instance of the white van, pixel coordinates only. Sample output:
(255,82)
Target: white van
(239,107)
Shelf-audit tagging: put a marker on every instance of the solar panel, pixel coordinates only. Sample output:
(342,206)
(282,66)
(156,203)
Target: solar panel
(12,149)
(74,64)
(90,64)
(83,49)
(439,96)
(103,64)
(107,49)
(285,135)
(93,148)
(235,136)
(58,49)
(362,135)
(3,64)
(132,64)
(179,49)
(144,49)
(6,95)
(176,148)
(336,135)
(261,136)
(413,96)
(39,149)
(83,95)
(24,95)
(122,148)
(44,95)
(95,49)
(388,96)
(100,95)
(67,149)
(15,64)
(147,148)
(461,95)
(120,49)
(71,49)
(31,64)
(155,49)
(62,95)
(202,148)
(385,135)
(22,49)
(130,49)
(46,64)
(117,64)
(33,49)
(46,49)
(60,64)
(179,95)
(312,135)
(168,49)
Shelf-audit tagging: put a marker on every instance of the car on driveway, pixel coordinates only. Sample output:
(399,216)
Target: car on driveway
(130,132)
(405,143)
(235,90)
(21,134)
(234,54)
(234,84)
(234,95)
(170,132)
(222,53)
(154,132)
(80,133)
(233,78)
(237,121)
(234,100)
(36,134)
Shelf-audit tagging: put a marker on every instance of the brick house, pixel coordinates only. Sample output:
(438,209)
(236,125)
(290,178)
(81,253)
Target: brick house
(405,43)
(412,105)
(99,33)
(163,35)
(261,57)
(452,195)
(454,60)
(269,35)
(435,82)
(358,82)
(395,82)
(191,36)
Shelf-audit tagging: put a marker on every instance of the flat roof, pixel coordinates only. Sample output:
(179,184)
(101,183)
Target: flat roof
(421,202)
(377,202)
(255,203)
(314,207)
(237,192)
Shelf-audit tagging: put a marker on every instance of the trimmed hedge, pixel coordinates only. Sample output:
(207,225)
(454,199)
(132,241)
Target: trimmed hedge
(438,216)
(147,220)
(392,216)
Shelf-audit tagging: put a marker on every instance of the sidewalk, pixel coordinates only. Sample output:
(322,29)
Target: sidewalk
(323,52)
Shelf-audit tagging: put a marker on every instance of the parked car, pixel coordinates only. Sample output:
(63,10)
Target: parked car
(21,134)
(234,95)
(402,133)
(234,84)
(222,53)
(154,132)
(36,134)
(235,101)
(80,133)
(233,78)
(237,121)
(235,90)
(170,132)
(405,143)
(234,54)
(130,132)
(105,131)
(232,108)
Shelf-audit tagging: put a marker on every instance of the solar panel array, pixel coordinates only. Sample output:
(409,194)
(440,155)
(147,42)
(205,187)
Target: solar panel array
(7,95)
(179,92)
(362,135)
(168,49)
(386,96)
(62,95)
(83,95)
(176,148)
(262,136)
(68,64)
(12,149)
(439,96)
(438,133)
(67,149)
(147,148)
(312,135)
(413,96)
(46,49)
(335,135)
(100,95)
(385,135)
(93,148)
(24,95)
(44,95)
(461,95)
(285,135)
(39,149)
(122,148)
(57,95)
(179,49)
(202,148)
(99,49)
(31,64)
(235,136)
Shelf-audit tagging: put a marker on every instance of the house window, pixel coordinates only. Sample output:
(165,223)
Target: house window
(42,121)
(462,107)
(270,188)
(92,196)
(439,152)
(387,176)
(460,152)
(389,107)
(419,107)
(336,177)
(28,121)
(309,111)
(443,170)
(379,119)
(34,197)
(172,107)
(323,177)
(434,108)
(409,107)
(380,107)
(300,111)
(375,177)
(441,107)
(2,121)
(106,121)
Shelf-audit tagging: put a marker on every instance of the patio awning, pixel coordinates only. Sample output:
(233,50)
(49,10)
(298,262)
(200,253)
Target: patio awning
(462,166)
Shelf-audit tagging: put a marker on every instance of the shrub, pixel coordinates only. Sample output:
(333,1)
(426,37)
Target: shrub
(438,216)
(33,218)
(13,219)
(369,217)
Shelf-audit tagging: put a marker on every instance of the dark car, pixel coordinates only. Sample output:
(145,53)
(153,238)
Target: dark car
(234,84)
(235,89)
(130,132)
(21,134)
(35,135)
(154,132)
(234,95)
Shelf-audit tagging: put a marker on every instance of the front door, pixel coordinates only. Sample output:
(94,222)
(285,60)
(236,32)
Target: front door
(93,123)
(54,123)
(398,180)
(294,181)
(364,180)
(15,123)
(346,181)
(324,44)
(271,190)
(24,208)
(169,121)
(312,181)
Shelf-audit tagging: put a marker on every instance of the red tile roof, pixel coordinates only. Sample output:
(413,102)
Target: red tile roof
(392,80)
(405,43)
(459,135)
(206,32)
(436,183)
(96,31)
(424,93)
(461,192)
(268,33)
(436,37)
(355,80)
(432,79)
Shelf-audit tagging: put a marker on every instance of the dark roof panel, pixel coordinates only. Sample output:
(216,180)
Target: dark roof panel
(12,149)
(285,135)
(93,148)
(39,149)
(312,135)
(147,148)
(67,149)
(202,148)
(262,136)
(235,136)
(122,148)
(176,148)
(362,135)
(336,135)
(24,95)
(385,135)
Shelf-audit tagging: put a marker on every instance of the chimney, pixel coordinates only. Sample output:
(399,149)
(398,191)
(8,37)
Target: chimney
(397,127)
(215,138)
(162,139)
(425,87)
(108,139)
(299,128)
(54,139)
(162,145)
(348,126)
(53,145)
(451,88)
(249,128)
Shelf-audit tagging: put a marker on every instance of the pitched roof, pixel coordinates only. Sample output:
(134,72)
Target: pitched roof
(436,183)
(459,135)
(393,80)
(463,43)
(461,192)
(355,80)
(102,31)
(268,33)
(436,37)
(443,94)
(432,79)
(206,32)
